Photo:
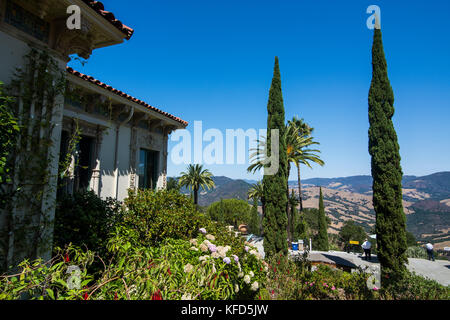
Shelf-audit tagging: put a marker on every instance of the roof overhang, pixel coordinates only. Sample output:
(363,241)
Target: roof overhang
(120,98)
(99,28)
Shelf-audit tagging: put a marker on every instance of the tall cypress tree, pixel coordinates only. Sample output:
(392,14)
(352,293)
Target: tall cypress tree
(386,170)
(275,186)
(293,202)
(322,236)
(254,223)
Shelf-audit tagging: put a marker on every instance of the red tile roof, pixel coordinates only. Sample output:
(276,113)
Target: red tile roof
(100,9)
(123,94)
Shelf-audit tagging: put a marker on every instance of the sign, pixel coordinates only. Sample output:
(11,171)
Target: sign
(354,242)
(446,248)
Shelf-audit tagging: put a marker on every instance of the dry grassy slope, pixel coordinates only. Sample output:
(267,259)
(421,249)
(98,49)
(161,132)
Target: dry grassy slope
(342,204)
(426,201)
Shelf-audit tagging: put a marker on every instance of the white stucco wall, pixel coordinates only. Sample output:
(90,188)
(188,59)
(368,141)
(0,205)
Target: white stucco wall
(107,164)
(123,164)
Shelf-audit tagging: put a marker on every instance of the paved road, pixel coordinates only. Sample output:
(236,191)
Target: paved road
(438,270)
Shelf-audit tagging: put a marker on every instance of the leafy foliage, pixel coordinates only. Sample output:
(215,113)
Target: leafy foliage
(201,268)
(352,232)
(9,130)
(294,280)
(416,252)
(414,287)
(254,223)
(172,184)
(84,219)
(230,211)
(152,216)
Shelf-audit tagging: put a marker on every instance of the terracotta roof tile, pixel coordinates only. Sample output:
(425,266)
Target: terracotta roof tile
(100,9)
(123,94)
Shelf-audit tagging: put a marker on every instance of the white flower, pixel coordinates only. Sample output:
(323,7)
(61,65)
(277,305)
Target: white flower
(247,279)
(132,289)
(240,274)
(255,253)
(206,242)
(246,248)
(215,255)
(255,286)
(236,288)
(204,247)
(210,237)
(193,241)
(194,248)
(251,274)
(188,268)
(186,296)
(214,268)
(222,251)
(202,230)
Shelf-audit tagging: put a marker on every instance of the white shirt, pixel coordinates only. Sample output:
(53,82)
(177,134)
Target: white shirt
(429,246)
(366,245)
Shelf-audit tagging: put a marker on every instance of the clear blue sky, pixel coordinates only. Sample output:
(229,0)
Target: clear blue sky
(213,61)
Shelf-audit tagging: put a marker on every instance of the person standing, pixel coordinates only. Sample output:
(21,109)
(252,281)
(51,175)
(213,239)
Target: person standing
(430,252)
(367,246)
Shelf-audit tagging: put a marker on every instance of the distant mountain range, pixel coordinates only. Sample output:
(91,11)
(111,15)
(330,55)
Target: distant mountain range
(426,201)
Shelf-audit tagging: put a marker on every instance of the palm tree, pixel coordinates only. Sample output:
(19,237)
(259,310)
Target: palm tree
(300,155)
(298,138)
(256,191)
(195,178)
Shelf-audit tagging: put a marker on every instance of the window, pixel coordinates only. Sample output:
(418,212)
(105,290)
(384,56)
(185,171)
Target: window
(82,161)
(27,22)
(147,170)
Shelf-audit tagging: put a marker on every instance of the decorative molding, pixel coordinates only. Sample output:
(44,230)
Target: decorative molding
(133,157)
(146,140)
(68,42)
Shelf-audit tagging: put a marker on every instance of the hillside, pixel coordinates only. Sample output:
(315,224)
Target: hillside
(226,188)
(426,201)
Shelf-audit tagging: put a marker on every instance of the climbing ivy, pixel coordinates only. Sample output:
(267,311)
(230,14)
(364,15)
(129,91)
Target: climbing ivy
(36,95)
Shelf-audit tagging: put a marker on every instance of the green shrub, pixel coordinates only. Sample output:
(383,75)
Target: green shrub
(415,287)
(294,280)
(416,252)
(230,211)
(84,219)
(176,269)
(153,216)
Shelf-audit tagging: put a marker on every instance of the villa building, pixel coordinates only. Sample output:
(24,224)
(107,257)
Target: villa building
(123,141)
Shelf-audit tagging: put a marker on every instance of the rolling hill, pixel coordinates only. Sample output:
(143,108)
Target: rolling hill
(426,201)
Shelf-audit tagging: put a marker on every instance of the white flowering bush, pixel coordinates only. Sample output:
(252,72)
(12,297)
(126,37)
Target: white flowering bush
(223,268)
(213,266)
